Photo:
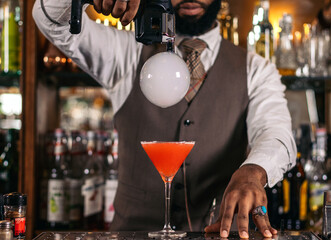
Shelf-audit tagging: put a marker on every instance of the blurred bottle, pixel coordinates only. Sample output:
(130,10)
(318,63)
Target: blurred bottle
(93,187)
(228,23)
(9,164)
(317,178)
(111,181)
(318,51)
(2,209)
(295,190)
(102,147)
(57,212)
(10,44)
(45,166)
(275,204)
(1,29)
(75,179)
(264,45)
(285,53)
(254,33)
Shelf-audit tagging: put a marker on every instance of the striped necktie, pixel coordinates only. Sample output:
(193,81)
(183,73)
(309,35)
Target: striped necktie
(192,49)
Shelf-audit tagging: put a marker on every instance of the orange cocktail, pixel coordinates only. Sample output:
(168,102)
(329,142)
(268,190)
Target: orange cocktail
(167,158)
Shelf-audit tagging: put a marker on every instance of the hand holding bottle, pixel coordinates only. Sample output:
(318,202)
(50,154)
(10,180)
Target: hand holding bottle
(125,10)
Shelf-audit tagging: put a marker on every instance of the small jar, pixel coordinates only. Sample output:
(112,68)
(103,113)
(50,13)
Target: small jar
(15,211)
(6,232)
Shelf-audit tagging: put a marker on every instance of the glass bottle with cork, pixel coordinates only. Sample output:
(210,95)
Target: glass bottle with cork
(285,53)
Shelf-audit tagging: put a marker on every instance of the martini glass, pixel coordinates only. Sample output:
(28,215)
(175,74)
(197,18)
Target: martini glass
(167,158)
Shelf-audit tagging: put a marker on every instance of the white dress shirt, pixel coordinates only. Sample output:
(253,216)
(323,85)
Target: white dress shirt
(111,57)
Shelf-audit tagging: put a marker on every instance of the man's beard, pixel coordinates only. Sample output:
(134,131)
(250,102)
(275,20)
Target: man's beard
(194,27)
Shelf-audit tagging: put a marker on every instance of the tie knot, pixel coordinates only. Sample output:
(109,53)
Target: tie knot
(190,45)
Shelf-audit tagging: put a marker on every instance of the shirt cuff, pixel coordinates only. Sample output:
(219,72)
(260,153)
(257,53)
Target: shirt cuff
(273,157)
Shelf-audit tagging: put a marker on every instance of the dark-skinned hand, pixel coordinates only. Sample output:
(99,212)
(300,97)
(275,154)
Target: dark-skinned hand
(124,10)
(244,192)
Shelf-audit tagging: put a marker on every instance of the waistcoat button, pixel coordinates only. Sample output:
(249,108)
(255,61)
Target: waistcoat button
(187,122)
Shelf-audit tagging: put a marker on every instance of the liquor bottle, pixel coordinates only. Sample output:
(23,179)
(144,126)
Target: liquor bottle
(2,210)
(102,147)
(224,19)
(235,31)
(275,204)
(9,164)
(10,44)
(57,202)
(228,23)
(254,33)
(45,165)
(264,45)
(93,187)
(285,53)
(75,179)
(111,181)
(318,181)
(295,192)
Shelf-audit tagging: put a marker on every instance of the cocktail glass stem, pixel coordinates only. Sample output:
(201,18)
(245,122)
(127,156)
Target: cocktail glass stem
(167,188)
(167,232)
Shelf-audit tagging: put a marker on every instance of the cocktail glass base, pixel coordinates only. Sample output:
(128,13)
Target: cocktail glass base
(167,234)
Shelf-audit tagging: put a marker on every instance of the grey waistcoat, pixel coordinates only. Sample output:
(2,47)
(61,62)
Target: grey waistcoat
(215,120)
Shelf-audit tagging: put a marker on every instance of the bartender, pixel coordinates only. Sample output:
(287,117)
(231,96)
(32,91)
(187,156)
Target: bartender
(235,111)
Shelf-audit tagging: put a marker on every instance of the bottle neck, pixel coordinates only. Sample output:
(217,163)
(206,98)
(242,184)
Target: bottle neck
(266,14)
(285,40)
(265,5)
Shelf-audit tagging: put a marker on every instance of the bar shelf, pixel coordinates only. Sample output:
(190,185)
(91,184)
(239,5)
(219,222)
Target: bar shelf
(319,84)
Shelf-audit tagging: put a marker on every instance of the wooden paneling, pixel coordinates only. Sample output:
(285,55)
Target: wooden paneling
(28,87)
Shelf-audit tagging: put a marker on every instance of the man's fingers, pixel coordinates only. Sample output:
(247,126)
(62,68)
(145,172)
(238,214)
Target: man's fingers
(262,225)
(272,230)
(262,221)
(213,228)
(107,7)
(227,215)
(130,13)
(126,10)
(97,5)
(244,207)
(119,8)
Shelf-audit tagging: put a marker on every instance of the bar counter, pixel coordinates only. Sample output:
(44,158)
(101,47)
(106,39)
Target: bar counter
(190,236)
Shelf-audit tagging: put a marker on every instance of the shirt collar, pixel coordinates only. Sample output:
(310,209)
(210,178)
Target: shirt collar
(212,37)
